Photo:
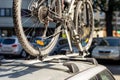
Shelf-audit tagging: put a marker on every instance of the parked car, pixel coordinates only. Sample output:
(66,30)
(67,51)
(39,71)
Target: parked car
(1,39)
(11,46)
(66,50)
(109,48)
(62,42)
(95,42)
(58,69)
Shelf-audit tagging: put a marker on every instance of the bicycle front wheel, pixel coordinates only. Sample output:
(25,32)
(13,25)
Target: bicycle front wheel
(84,23)
(31,19)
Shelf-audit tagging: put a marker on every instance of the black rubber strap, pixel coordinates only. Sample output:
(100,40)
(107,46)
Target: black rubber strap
(40,57)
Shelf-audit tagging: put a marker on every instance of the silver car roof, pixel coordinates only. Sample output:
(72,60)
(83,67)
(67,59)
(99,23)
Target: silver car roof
(37,70)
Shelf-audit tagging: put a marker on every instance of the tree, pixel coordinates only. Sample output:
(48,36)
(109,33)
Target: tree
(108,7)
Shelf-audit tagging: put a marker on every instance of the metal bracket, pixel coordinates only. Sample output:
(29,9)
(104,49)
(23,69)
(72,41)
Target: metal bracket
(40,57)
(73,68)
(83,53)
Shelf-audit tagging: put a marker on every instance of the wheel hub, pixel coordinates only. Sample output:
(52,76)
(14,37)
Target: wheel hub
(42,13)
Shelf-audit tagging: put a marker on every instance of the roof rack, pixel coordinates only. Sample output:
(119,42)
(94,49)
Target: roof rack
(73,68)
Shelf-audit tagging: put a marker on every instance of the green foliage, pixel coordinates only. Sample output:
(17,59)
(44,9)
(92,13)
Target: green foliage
(104,5)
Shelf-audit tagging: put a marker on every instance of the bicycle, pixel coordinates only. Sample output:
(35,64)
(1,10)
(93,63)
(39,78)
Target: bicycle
(72,17)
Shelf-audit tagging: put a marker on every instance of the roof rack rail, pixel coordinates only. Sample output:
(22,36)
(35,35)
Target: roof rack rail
(92,60)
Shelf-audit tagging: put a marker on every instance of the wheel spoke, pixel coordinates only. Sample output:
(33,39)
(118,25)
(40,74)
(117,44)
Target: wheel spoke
(32,20)
(84,23)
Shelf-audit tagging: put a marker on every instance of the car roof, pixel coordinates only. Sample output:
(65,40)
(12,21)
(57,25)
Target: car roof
(48,70)
(12,37)
(100,38)
(105,38)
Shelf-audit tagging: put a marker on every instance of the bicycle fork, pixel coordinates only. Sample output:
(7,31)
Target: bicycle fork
(82,53)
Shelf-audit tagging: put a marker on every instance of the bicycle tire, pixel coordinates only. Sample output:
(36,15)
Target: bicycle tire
(23,38)
(78,13)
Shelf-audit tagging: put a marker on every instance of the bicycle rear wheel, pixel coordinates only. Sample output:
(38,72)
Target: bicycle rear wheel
(30,20)
(84,23)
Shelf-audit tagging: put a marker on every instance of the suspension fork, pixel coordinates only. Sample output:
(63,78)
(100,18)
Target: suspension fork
(82,52)
(78,40)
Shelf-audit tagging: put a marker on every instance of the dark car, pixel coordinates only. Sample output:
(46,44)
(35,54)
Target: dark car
(95,42)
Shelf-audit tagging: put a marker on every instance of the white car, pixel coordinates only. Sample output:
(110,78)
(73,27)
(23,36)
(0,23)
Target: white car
(11,46)
(109,48)
(57,69)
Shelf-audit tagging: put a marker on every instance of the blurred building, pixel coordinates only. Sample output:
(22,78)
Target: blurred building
(6,18)
(116,20)
(100,17)
(7,26)
(6,21)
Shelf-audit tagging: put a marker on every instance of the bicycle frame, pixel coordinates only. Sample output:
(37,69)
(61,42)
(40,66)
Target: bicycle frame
(71,5)
(75,32)
(67,14)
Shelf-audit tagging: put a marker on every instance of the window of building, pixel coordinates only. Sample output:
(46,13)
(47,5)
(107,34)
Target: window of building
(5,12)
(8,12)
(2,12)
(119,15)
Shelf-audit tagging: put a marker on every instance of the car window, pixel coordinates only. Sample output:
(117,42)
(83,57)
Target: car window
(113,42)
(94,78)
(8,41)
(63,41)
(104,43)
(105,75)
(1,40)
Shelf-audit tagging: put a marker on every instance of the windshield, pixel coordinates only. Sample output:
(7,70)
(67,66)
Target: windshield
(1,40)
(110,42)
(113,42)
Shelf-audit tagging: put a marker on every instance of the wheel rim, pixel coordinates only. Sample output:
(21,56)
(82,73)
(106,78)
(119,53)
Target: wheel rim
(84,29)
(27,16)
